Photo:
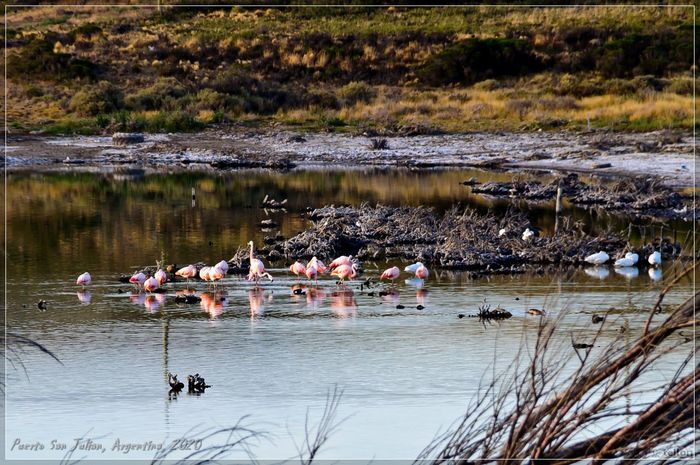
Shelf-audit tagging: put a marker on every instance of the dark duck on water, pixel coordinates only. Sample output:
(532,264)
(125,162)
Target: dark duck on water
(196,383)
(175,385)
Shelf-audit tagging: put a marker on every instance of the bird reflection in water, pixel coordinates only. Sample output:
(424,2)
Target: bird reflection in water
(85,297)
(257,299)
(153,302)
(343,303)
(390,296)
(421,296)
(213,303)
(315,297)
(137,298)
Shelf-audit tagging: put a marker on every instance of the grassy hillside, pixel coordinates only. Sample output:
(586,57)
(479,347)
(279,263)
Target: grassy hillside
(89,70)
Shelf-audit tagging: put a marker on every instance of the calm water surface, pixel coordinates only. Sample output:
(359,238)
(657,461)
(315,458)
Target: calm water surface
(270,355)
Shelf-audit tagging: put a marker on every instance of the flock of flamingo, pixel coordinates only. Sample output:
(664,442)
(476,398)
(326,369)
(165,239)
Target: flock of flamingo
(342,268)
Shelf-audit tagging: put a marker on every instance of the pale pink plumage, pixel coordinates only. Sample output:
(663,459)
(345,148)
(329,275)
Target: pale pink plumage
(344,272)
(161,276)
(318,264)
(422,272)
(298,268)
(257,268)
(391,273)
(151,284)
(342,260)
(190,271)
(84,279)
(138,279)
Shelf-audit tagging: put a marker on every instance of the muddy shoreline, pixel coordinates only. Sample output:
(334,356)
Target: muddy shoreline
(665,156)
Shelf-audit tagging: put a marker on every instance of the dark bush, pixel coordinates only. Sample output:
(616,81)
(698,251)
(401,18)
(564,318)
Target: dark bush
(475,60)
(92,101)
(161,95)
(38,60)
(84,30)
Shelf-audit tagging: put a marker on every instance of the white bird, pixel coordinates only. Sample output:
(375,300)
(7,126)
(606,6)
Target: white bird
(597,258)
(528,234)
(502,232)
(633,256)
(623,262)
(655,259)
(413,268)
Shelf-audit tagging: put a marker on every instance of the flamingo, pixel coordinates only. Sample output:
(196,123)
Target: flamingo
(216,273)
(412,268)
(190,271)
(138,279)
(633,256)
(151,284)
(597,258)
(298,268)
(84,279)
(311,273)
(528,234)
(345,271)
(391,273)
(422,272)
(223,265)
(342,260)
(257,268)
(161,276)
(318,264)
(204,273)
(655,259)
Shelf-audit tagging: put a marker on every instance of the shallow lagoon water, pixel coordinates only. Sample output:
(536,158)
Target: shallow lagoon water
(269,354)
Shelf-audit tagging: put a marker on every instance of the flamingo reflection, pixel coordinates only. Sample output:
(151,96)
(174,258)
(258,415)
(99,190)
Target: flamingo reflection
(153,302)
(343,303)
(256,297)
(390,296)
(84,297)
(421,295)
(213,303)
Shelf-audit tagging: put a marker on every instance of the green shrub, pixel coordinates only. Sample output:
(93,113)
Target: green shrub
(161,95)
(355,91)
(475,60)
(102,98)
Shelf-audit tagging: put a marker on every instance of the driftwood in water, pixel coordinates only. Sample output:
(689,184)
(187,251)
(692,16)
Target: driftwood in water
(458,239)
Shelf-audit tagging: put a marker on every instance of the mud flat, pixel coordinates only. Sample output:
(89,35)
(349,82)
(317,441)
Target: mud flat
(665,156)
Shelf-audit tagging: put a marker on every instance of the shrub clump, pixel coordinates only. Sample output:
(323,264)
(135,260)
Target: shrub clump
(355,92)
(475,60)
(92,101)
(161,95)
(37,59)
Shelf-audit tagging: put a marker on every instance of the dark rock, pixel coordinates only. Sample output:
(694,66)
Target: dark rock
(400,307)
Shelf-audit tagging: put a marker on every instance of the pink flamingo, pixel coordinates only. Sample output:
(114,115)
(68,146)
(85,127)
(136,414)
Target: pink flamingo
(298,268)
(84,279)
(223,266)
(216,274)
(391,273)
(190,271)
(151,284)
(161,276)
(204,273)
(312,273)
(345,271)
(340,261)
(138,279)
(422,272)
(257,268)
(318,264)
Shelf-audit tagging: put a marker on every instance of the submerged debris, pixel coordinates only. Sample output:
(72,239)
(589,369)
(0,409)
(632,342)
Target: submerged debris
(498,313)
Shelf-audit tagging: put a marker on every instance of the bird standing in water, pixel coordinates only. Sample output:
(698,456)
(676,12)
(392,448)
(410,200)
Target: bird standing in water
(344,272)
(175,385)
(391,274)
(84,279)
(257,268)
